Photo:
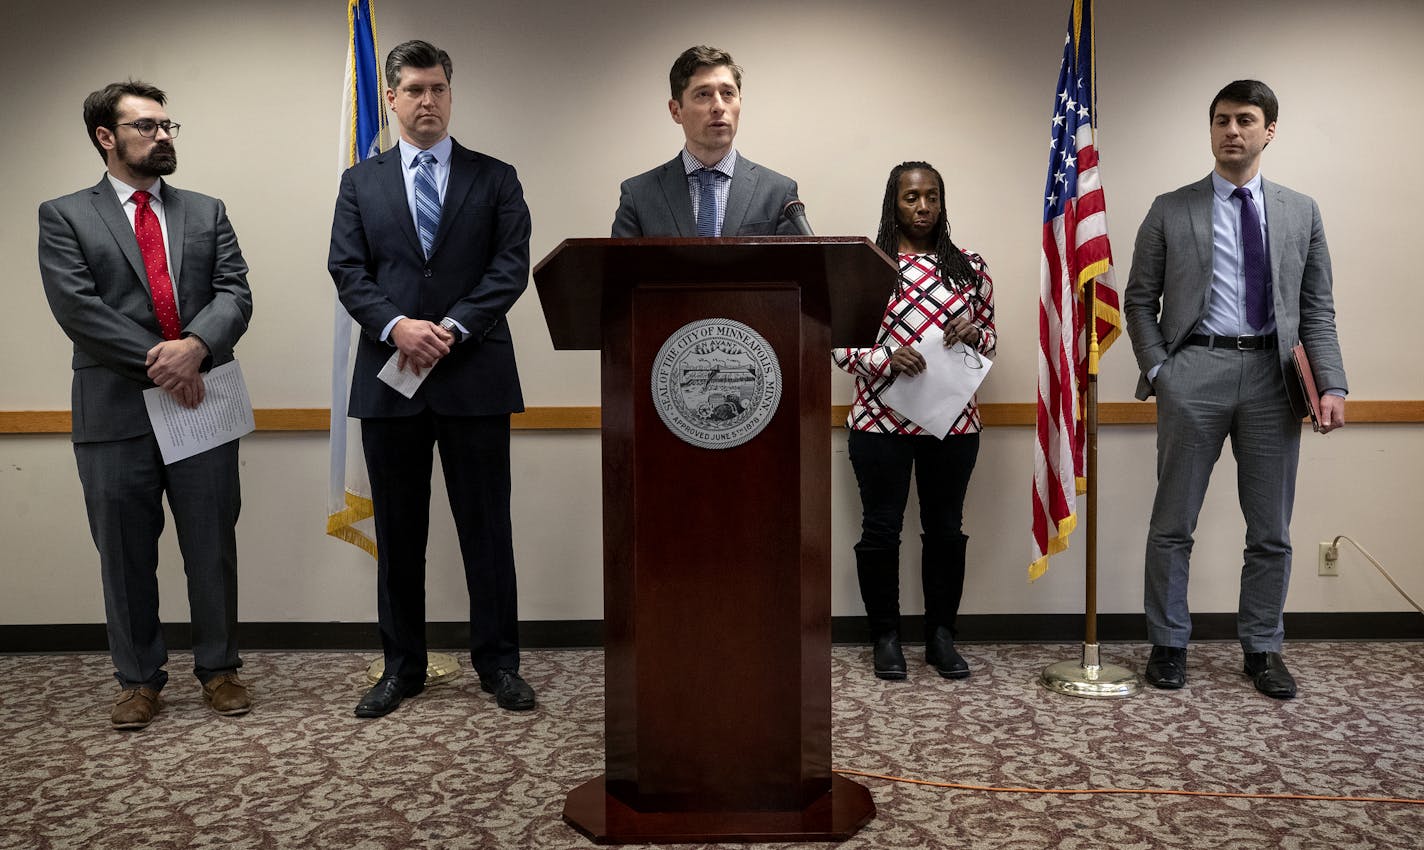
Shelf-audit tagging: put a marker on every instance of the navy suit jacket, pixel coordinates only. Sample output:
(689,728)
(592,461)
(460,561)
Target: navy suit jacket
(657,202)
(478,268)
(97,288)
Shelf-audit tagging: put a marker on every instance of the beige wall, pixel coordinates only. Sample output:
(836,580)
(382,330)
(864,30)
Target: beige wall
(835,92)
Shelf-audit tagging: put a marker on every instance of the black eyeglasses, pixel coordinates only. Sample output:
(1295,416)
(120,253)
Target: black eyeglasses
(972,360)
(148,128)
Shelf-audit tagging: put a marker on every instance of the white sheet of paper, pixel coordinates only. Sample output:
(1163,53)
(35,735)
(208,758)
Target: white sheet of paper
(934,398)
(224,415)
(405,383)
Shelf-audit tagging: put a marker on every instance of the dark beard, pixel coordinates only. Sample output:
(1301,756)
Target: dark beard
(161,161)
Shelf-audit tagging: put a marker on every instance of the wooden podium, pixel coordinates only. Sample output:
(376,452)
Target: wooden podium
(716,560)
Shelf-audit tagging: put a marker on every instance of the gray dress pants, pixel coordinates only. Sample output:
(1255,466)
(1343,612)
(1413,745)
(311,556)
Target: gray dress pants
(1205,395)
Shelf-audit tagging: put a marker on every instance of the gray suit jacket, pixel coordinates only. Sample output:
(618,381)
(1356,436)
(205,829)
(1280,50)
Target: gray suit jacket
(657,202)
(95,281)
(1170,282)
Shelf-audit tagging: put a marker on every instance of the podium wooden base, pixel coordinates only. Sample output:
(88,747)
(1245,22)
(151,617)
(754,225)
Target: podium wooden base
(835,816)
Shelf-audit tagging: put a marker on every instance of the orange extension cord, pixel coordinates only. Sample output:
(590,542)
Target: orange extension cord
(1161,791)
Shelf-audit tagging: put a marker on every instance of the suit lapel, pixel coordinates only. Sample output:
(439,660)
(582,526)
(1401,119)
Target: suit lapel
(175,215)
(462,177)
(1199,211)
(392,184)
(739,199)
(106,203)
(1277,226)
(679,200)
(1199,206)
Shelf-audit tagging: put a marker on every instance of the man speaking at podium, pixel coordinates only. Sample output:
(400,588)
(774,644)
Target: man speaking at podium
(708,189)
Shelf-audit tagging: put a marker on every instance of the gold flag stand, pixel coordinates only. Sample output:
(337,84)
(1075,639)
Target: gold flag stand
(440,667)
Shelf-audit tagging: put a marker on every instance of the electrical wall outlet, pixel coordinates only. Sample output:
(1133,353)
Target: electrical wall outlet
(1329,560)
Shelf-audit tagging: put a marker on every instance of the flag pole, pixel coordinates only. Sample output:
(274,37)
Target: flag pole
(363,134)
(1089,677)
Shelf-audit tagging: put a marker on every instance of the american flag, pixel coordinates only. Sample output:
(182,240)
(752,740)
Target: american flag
(1075,253)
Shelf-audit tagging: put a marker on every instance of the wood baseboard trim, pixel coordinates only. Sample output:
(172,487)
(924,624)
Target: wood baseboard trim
(576,418)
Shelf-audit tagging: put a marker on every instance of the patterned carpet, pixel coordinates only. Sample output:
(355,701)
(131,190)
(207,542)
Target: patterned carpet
(451,770)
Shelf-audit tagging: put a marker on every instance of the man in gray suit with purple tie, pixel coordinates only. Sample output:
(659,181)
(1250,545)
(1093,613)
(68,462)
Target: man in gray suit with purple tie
(1228,274)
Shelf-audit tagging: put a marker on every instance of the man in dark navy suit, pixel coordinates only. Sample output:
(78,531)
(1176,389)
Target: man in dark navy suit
(429,251)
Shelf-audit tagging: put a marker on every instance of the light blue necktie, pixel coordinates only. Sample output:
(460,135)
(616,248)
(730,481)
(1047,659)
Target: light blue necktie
(427,201)
(707,202)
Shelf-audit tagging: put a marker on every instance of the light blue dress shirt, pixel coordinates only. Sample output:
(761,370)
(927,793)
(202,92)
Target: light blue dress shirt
(1226,307)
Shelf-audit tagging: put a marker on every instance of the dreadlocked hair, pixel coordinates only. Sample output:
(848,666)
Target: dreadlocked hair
(954,268)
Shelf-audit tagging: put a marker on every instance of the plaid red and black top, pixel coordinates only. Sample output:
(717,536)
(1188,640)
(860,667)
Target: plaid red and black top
(921,300)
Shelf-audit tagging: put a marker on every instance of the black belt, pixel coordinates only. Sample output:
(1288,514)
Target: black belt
(1240,343)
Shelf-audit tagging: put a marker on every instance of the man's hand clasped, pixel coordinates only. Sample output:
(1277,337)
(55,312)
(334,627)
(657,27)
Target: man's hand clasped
(176,366)
(422,344)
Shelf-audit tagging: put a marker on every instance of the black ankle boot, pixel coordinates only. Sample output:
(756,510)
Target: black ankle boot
(888,658)
(941,654)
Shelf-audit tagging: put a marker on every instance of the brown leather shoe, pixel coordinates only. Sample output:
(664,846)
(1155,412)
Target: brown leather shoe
(227,695)
(134,708)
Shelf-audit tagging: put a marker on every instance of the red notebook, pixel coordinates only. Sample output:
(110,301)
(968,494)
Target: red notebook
(1306,376)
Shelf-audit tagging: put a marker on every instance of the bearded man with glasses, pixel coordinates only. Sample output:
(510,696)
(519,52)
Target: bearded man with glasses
(149,283)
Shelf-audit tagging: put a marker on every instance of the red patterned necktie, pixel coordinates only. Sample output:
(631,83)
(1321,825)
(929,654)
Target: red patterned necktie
(155,262)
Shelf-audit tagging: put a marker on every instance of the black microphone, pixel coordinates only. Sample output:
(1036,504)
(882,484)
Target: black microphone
(795,212)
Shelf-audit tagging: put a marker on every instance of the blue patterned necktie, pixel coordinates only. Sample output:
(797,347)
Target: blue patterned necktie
(707,202)
(1253,263)
(427,201)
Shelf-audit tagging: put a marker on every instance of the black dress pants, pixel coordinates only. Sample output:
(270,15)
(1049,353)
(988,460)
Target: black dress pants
(474,455)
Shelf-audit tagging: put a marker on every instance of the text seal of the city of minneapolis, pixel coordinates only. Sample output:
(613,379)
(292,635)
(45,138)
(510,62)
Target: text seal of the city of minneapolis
(716,383)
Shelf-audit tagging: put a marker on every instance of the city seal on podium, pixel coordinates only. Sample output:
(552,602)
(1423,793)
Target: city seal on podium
(716,383)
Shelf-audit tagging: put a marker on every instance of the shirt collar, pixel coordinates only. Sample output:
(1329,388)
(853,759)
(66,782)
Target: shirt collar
(440,150)
(125,191)
(728,163)
(1223,187)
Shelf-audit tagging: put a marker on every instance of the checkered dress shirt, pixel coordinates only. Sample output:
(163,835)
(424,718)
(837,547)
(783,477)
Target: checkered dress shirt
(720,190)
(921,300)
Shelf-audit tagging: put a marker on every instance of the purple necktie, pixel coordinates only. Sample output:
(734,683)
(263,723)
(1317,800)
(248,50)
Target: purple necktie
(1253,263)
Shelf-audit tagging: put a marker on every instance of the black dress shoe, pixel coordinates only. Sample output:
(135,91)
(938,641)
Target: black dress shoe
(511,693)
(1269,674)
(941,655)
(888,658)
(1167,667)
(386,695)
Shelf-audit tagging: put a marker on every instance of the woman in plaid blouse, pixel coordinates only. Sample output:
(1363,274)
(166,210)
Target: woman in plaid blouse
(940,286)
